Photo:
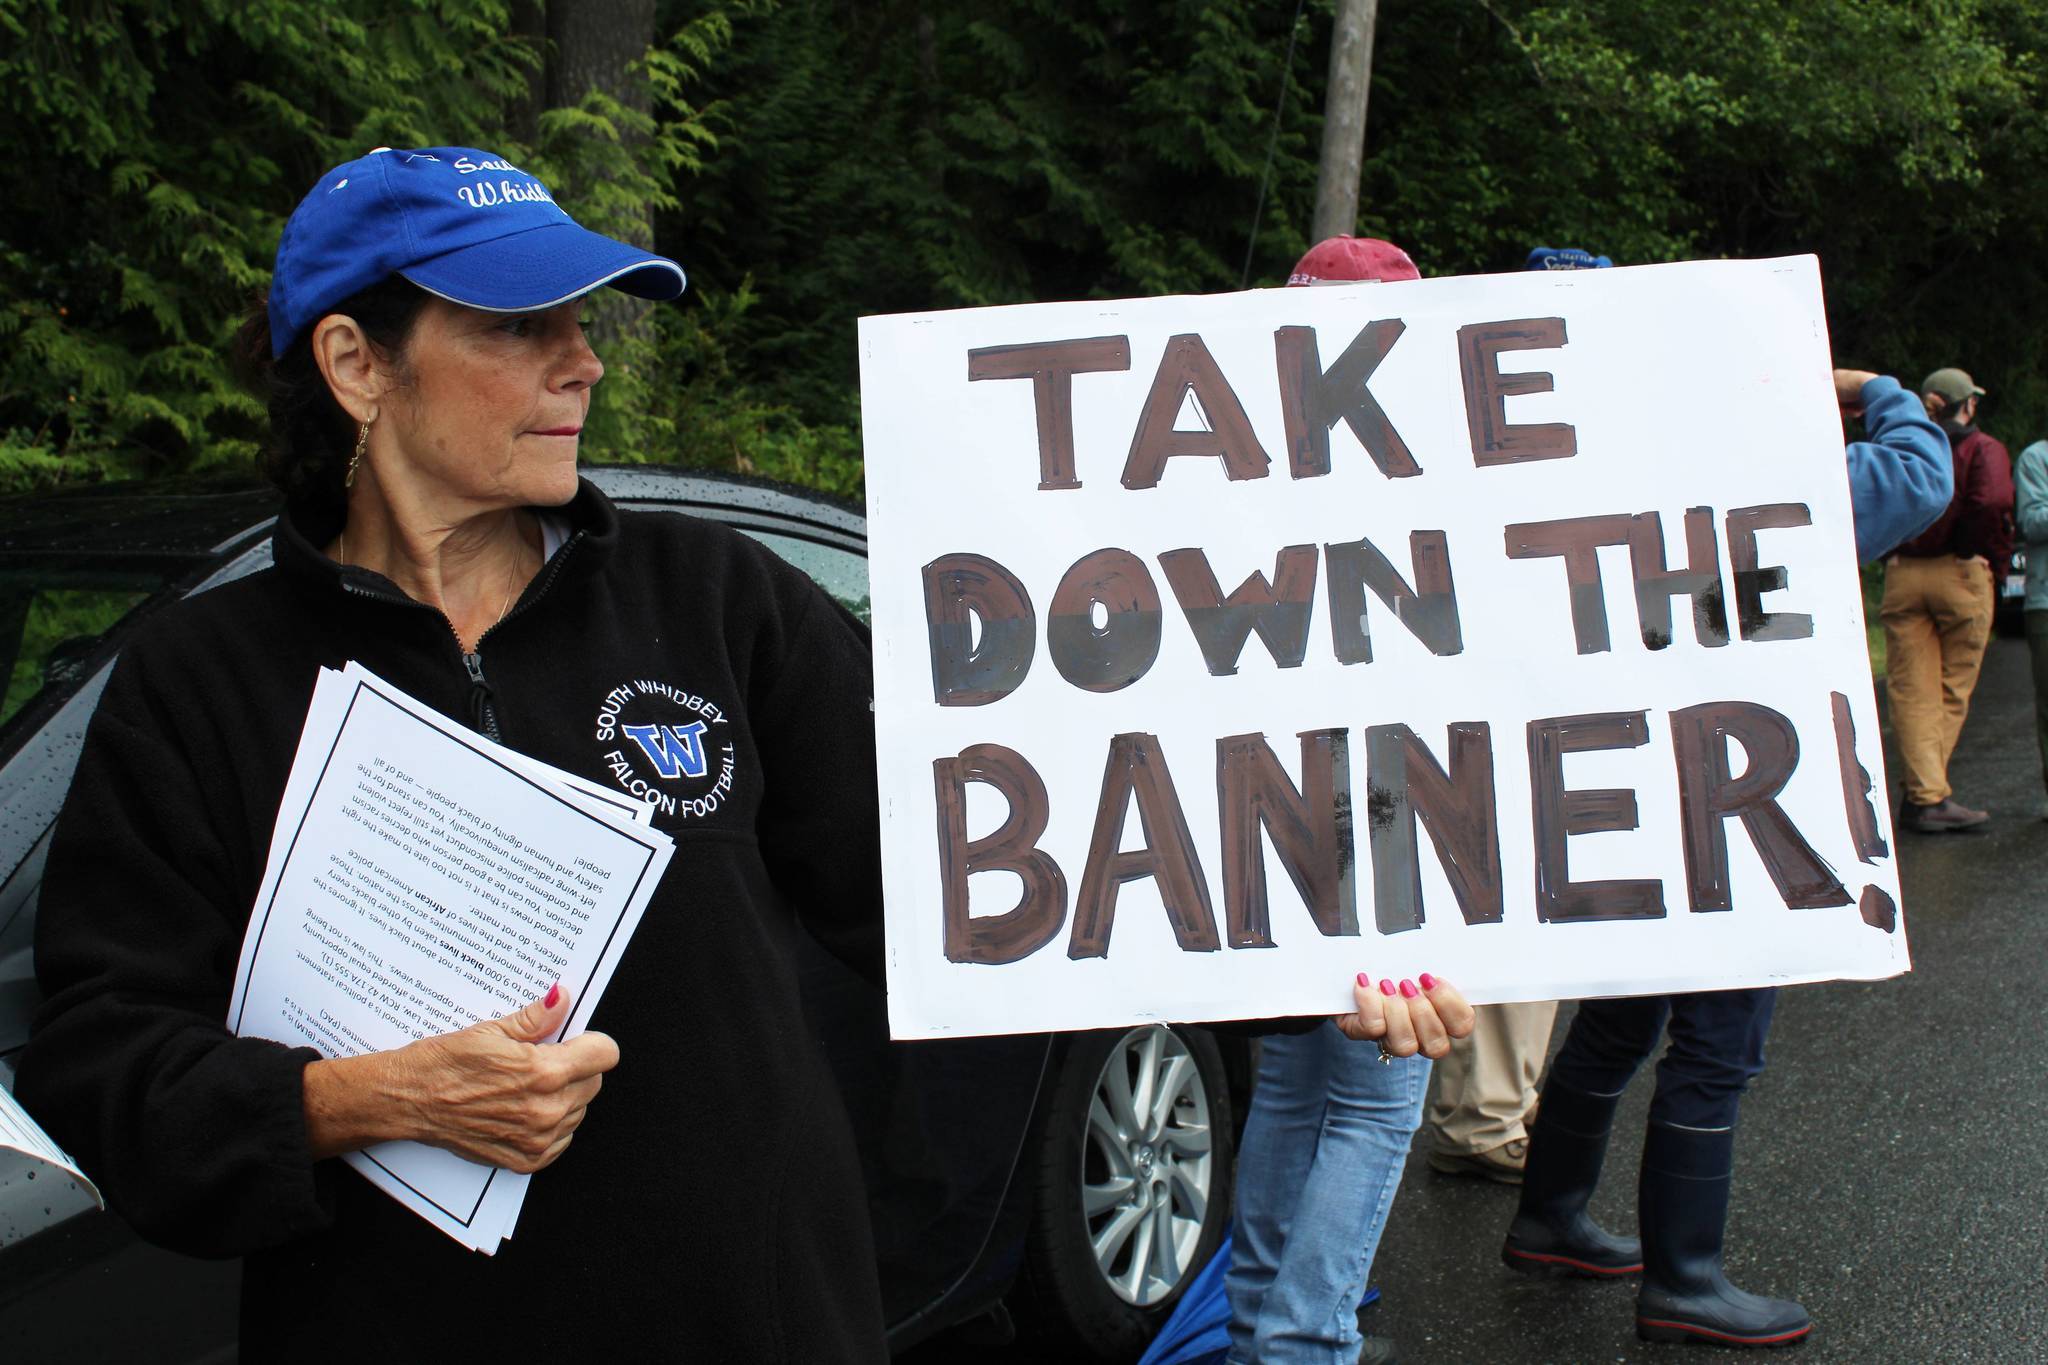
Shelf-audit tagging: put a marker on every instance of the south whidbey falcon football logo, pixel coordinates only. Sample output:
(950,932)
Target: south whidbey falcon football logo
(667,746)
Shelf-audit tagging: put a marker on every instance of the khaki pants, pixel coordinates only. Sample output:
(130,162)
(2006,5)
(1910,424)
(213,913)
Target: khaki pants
(1487,1085)
(1937,623)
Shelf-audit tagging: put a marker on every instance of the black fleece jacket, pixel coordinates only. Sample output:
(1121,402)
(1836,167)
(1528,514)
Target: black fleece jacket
(711,1206)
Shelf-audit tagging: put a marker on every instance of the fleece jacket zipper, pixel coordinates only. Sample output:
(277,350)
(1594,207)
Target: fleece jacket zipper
(483,709)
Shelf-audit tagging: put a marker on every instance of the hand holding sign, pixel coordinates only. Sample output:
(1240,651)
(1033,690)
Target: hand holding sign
(1404,1019)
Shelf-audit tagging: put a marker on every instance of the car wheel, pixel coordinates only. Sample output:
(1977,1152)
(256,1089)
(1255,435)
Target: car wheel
(1132,1187)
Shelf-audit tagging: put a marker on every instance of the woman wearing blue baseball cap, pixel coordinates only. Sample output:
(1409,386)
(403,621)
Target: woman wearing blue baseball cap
(428,380)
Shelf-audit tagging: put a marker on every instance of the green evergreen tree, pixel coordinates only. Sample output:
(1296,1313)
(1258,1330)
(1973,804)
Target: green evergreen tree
(908,156)
(812,160)
(156,149)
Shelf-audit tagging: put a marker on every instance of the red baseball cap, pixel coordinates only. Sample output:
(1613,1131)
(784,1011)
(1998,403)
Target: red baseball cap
(1345,259)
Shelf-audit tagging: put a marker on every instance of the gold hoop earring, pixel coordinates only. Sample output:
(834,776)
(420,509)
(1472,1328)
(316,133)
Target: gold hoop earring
(355,461)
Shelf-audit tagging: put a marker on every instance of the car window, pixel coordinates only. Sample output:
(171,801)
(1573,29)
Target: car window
(840,572)
(47,630)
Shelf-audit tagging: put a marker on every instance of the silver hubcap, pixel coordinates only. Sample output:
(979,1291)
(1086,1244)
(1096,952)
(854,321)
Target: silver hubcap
(1146,1167)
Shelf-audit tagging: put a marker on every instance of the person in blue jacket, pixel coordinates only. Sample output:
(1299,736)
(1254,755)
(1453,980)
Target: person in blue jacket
(2030,511)
(1900,479)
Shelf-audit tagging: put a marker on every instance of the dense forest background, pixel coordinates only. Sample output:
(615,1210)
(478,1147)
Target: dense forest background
(813,160)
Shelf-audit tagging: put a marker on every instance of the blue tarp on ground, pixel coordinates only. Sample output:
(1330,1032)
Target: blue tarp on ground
(1198,1331)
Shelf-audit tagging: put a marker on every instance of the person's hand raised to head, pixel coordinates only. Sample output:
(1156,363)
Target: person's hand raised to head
(1849,389)
(494,1092)
(1405,1018)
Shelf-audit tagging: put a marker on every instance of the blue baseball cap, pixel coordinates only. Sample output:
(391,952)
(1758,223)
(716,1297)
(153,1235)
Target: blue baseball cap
(458,222)
(1564,258)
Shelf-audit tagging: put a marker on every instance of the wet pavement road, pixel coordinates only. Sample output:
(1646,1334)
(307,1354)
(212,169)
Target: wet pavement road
(1892,1168)
(1892,1172)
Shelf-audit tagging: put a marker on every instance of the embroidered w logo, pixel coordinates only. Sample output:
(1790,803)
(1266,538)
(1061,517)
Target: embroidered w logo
(675,750)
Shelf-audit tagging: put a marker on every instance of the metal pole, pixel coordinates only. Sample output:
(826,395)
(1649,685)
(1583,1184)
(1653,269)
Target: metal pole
(1343,160)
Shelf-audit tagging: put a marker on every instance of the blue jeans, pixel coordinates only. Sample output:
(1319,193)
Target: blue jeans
(1323,1150)
(1716,1049)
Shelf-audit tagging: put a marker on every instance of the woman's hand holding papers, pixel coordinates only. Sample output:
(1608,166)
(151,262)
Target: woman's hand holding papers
(493,1092)
(1405,1019)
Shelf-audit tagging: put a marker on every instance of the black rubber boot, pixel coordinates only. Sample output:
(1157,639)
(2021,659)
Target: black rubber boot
(1552,1233)
(1684,1209)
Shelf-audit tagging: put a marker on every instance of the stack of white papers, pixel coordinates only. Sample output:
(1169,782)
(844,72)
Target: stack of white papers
(28,1204)
(422,878)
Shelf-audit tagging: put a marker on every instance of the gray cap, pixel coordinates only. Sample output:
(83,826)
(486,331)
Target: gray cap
(1953,384)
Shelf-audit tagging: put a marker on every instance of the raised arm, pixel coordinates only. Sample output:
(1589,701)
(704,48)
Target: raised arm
(1902,478)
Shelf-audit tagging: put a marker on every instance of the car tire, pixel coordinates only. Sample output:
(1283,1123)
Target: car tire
(1094,1311)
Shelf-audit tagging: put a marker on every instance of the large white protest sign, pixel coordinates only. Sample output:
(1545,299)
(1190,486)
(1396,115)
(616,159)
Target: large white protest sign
(1506,628)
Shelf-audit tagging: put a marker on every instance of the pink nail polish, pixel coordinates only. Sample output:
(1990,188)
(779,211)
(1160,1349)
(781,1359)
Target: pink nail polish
(1386,987)
(1365,981)
(554,994)
(1428,982)
(1408,990)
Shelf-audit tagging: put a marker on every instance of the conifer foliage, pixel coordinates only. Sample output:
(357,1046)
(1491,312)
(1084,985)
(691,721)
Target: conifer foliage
(813,160)
(906,154)
(156,147)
